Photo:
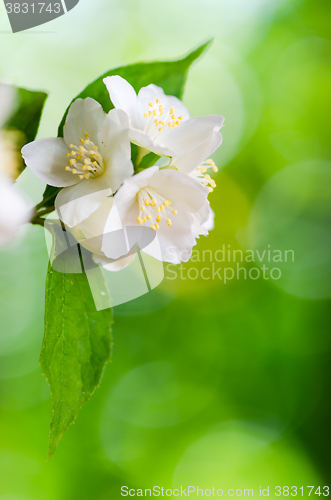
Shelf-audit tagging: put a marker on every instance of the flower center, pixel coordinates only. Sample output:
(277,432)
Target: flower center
(152,205)
(85,160)
(158,122)
(200,174)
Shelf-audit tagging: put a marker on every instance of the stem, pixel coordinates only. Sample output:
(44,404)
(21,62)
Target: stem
(46,211)
(38,221)
(42,203)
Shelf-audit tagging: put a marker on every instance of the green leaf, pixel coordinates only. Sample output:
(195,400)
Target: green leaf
(77,344)
(148,161)
(26,117)
(170,75)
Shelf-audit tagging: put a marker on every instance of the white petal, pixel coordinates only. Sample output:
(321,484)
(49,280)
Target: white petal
(75,204)
(47,160)
(182,190)
(14,211)
(191,133)
(115,265)
(115,148)
(176,242)
(84,116)
(188,162)
(203,221)
(123,96)
(91,230)
(143,140)
(131,186)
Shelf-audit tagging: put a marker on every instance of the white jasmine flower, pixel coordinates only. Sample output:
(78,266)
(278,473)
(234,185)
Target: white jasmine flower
(90,162)
(161,123)
(169,203)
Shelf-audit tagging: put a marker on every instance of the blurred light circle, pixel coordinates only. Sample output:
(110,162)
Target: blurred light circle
(153,396)
(242,455)
(293,213)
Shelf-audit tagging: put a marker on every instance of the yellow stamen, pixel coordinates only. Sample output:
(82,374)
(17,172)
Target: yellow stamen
(154,112)
(68,154)
(147,202)
(86,135)
(86,176)
(168,221)
(72,161)
(157,101)
(145,115)
(142,208)
(158,218)
(181,117)
(174,212)
(156,226)
(139,220)
(68,168)
(151,104)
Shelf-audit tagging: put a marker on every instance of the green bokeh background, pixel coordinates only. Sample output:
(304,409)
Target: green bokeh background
(212,384)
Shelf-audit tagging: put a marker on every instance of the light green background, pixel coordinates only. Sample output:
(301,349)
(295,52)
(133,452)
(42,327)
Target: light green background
(212,384)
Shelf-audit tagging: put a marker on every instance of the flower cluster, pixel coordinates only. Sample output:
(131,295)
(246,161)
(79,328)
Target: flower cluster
(105,194)
(14,209)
